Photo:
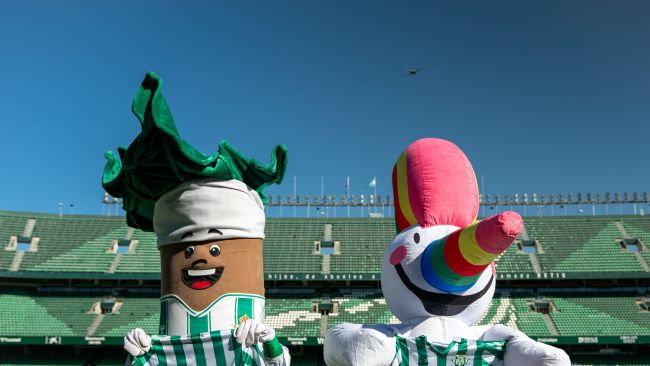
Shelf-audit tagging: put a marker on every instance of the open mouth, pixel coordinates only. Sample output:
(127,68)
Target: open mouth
(200,279)
(436,303)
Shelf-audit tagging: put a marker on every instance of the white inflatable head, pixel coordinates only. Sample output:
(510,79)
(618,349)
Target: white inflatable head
(408,293)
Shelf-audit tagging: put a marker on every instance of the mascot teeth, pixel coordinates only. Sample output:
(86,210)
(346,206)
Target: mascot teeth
(204,272)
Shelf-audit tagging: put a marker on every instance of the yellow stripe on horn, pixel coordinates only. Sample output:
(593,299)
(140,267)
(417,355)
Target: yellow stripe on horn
(470,249)
(403,190)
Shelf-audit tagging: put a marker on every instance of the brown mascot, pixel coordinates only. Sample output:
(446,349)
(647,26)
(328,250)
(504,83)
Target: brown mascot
(208,216)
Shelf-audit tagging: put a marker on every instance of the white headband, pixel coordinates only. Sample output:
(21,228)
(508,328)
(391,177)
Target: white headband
(208,209)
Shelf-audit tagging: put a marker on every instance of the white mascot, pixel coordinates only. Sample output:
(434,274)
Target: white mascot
(438,275)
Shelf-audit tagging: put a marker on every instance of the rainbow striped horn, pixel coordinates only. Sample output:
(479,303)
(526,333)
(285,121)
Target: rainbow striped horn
(455,262)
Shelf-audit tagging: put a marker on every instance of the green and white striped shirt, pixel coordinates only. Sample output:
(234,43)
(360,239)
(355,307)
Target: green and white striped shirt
(213,348)
(460,352)
(226,312)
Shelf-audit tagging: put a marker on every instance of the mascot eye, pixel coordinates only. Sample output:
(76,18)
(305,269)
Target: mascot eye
(416,237)
(215,250)
(189,251)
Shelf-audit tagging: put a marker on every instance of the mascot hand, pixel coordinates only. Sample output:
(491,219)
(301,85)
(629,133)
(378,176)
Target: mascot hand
(252,332)
(137,342)
(521,350)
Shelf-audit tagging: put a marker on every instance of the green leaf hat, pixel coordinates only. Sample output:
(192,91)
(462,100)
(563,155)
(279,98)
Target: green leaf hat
(158,160)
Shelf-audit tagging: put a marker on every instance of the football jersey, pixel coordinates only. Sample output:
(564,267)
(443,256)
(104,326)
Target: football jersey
(212,348)
(460,352)
(226,312)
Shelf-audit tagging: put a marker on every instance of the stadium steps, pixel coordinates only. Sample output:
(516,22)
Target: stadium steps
(18,257)
(551,325)
(639,227)
(599,315)
(71,243)
(16,261)
(500,311)
(94,325)
(144,256)
(118,256)
(71,310)
(17,315)
(361,243)
(581,245)
(639,257)
(324,319)
(134,313)
(115,263)
(529,322)
(292,317)
(532,257)
(289,245)
(325,267)
(10,226)
(642,262)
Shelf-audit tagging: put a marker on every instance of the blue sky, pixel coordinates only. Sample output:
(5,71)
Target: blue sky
(542,96)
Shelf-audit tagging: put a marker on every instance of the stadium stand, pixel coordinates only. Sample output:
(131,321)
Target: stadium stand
(83,244)
(580,288)
(580,245)
(592,314)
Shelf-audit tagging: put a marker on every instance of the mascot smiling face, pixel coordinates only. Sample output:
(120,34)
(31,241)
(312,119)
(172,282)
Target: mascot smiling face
(408,293)
(210,239)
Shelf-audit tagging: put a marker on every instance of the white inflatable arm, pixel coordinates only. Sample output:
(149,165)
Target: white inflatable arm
(349,344)
(521,350)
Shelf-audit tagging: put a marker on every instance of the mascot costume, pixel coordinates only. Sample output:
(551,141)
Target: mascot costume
(208,216)
(438,275)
